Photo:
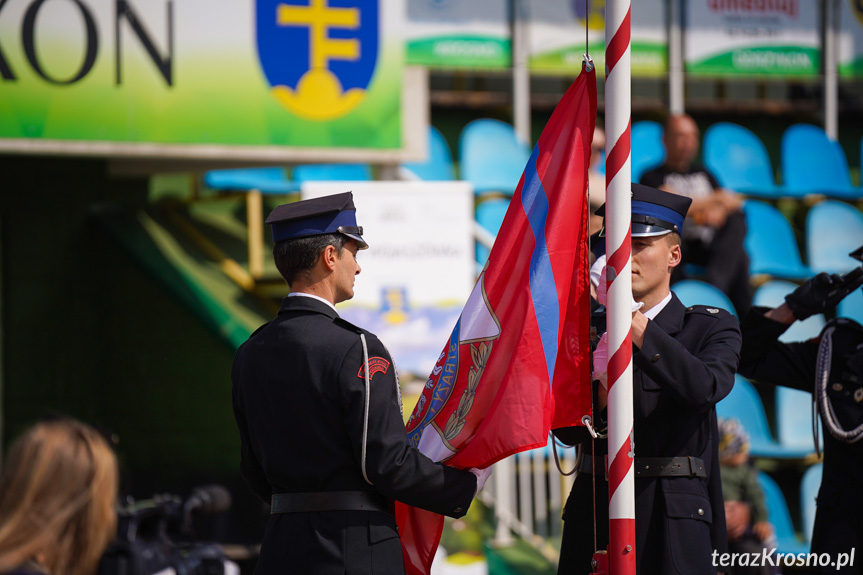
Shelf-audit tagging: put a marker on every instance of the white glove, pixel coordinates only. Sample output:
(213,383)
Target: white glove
(596,270)
(600,361)
(602,291)
(481,477)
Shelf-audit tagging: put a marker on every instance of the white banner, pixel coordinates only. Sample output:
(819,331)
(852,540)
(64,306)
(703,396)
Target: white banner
(420,267)
(851,38)
(752,37)
(557,35)
(458,33)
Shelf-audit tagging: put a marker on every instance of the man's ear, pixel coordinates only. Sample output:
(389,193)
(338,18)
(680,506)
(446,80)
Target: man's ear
(674,256)
(329,255)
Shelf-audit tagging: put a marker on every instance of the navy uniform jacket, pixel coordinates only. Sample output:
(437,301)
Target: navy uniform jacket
(299,400)
(839,518)
(685,366)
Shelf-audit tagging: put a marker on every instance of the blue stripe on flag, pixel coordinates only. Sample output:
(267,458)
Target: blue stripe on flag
(542,289)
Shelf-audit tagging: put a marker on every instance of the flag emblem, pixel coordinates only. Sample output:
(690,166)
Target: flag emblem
(376,365)
(318,56)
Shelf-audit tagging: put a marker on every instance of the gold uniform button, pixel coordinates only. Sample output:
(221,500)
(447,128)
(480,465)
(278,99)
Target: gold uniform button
(655,358)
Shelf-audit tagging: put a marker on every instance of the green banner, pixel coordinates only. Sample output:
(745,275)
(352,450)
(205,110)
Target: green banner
(298,73)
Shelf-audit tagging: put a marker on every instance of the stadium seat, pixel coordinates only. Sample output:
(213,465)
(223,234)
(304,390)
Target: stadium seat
(770,243)
(697,292)
(265,180)
(780,518)
(438,166)
(772,294)
(794,419)
(489,215)
(852,306)
(833,230)
(491,156)
(331,173)
(809,486)
(814,164)
(745,404)
(648,151)
(739,160)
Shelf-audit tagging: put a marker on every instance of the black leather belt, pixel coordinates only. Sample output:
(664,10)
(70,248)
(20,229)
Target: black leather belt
(327,501)
(686,466)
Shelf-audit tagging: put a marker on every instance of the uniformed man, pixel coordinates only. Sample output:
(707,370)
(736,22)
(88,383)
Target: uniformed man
(317,403)
(831,368)
(684,359)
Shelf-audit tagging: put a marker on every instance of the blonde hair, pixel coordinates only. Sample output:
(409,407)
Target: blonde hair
(58,491)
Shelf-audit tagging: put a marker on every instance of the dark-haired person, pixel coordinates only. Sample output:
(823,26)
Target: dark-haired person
(683,363)
(318,407)
(58,497)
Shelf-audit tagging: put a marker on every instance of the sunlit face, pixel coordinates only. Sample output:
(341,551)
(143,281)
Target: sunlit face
(681,141)
(652,260)
(347,269)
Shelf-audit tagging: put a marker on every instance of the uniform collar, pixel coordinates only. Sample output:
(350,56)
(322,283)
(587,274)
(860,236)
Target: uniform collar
(314,304)
(670,319)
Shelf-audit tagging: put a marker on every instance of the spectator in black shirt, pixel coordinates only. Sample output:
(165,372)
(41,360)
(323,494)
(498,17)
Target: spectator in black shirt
(716,227)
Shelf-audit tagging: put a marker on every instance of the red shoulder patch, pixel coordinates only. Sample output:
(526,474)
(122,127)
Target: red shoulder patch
(376,365)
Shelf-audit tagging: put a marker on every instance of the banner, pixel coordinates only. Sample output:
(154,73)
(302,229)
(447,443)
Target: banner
(458,33)
(516,364)
(752,37)
(850,38)
(286,73)
(557,36)
(419,269)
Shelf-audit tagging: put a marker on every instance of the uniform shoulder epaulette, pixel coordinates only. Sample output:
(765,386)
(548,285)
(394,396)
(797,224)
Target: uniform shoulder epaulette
(348,325)
(257,331)
(708,310)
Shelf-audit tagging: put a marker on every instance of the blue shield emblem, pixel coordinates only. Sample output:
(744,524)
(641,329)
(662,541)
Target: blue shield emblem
(318,56)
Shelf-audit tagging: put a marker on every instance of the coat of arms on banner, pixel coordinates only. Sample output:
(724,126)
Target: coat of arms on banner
(318,56)
(444,408)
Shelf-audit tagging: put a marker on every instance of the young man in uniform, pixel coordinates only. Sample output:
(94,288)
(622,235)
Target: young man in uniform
(318,407)
(684,359)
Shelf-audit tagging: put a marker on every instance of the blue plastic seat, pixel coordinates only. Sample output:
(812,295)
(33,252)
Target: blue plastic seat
(739,160)
(833,230)
(265,180)
(648,151)
(489,214)
(809,486)
(697,292)
(794,419)
(852,306)
(331,173)
(771,244)
(745,404)
(780,518)
(812,163)
(772,294)
(439,165)
(491,156)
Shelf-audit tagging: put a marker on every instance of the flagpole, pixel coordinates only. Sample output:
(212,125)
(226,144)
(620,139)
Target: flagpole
(621,477)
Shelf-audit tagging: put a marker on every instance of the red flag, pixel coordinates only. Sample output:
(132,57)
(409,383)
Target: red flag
(517,362)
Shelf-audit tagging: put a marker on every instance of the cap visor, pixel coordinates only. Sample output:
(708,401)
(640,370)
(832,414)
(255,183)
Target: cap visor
(361,243)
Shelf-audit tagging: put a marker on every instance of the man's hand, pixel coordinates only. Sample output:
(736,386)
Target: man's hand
(736,519)
(818,295)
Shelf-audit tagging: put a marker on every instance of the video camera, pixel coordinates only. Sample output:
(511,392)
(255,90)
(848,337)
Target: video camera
(155,536)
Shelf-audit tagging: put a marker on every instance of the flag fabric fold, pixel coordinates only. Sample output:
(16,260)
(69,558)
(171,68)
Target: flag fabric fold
(516,364)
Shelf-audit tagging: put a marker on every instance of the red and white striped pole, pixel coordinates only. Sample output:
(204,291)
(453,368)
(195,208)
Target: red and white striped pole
(621,476)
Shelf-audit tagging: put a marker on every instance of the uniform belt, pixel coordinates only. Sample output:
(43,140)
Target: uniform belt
(327,501)
(685,466)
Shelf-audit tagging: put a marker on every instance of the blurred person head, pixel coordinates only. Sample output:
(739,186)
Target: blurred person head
(733,442)
(680,137)
(58,491)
